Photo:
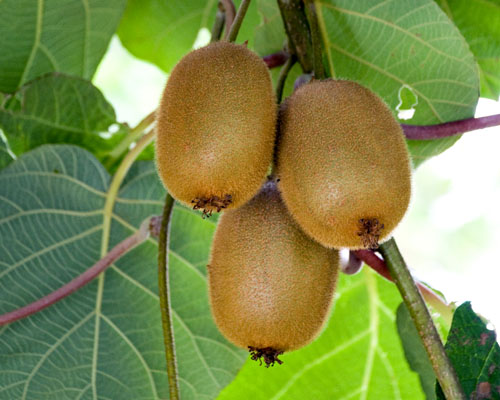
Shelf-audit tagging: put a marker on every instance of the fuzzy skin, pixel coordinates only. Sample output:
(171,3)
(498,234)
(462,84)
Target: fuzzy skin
(270,285)
(216,125)
(342,157)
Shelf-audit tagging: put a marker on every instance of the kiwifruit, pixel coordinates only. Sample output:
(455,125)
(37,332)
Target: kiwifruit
(343,164)
(216,127)
(270,285)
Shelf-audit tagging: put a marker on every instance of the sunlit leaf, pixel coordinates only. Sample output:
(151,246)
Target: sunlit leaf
(41,36)
(59,109)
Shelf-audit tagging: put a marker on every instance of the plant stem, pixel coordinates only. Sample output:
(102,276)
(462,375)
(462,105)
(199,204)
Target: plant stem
(165,306)
(432,298)
(276,59)
(297,30)
(446,129)
(134,134)
(317,45)
(238,19)
(421,317)
(280,85)
(230,14)
(218,26)
(116,252)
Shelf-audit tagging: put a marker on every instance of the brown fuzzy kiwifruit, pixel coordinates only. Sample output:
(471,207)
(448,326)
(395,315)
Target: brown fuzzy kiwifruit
(343,164)
(270,285)
(216,127)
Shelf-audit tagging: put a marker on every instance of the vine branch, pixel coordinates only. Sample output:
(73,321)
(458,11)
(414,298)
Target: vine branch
(280,84)
(297,30)
(317,46)
(218,26)
(378,265)
(230,14)
(165,306)
(428,132)
(422,319)
(114,254)
(238,19)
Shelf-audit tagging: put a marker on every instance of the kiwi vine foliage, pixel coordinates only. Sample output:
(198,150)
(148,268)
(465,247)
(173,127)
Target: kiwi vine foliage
(105,340)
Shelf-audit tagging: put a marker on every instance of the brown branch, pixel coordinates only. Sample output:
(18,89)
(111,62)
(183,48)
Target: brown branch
(297,29)
(119,250)
(428,132)
(376,263)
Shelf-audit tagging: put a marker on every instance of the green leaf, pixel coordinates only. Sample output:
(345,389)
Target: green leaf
(59,109)
(6,155)
(162,32)
(40,36)
(415,352)
(270,33)
(358,355)
(475,354)
(479,22)
(393,44)
(105,340)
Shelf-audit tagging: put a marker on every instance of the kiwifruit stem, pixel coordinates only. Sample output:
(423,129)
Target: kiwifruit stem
(218,26)
(317,45)
(165,306)
(240,15)
(280,85)
(422,319)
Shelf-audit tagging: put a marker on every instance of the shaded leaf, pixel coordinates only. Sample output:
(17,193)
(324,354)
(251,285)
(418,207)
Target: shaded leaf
(479,22)
(270,34)
(40,36)
(59,109)
(475,354)
(415,352)
(105,340)
(358,355)
(162,32)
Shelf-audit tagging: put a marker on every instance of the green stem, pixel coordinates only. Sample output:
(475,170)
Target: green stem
(220,19)
(427,331)
(280,85)
(134,134)
(165,306)
(240,15)
(297,30)
(317,45)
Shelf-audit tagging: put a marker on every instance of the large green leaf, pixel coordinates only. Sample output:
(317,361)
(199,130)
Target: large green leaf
(475,354)
(53,35)
(395,44)
(162,32)
(479,22)
(358,355)
(105,340)
(59,109)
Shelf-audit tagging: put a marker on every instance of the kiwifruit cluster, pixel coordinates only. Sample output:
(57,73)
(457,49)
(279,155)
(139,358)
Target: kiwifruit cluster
(342,179)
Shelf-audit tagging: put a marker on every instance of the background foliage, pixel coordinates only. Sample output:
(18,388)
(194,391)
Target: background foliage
(105,340)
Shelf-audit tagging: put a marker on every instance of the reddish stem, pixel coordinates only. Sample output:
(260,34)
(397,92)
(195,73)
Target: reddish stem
(276,59)
(428,132)
(119,250)
(376,263)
